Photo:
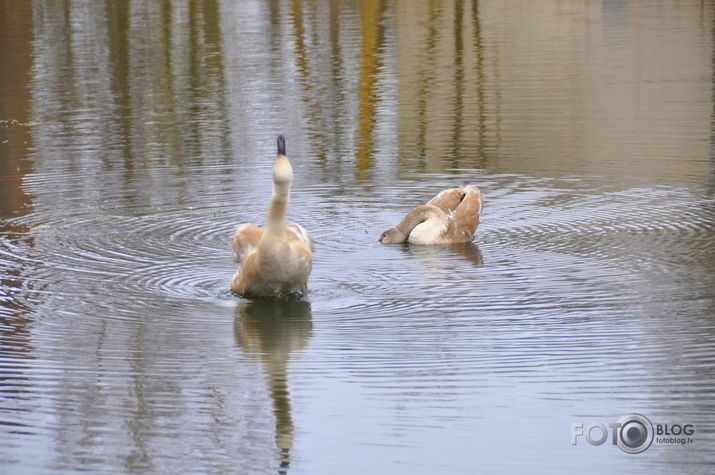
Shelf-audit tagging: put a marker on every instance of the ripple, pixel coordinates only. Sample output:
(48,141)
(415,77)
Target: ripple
(552,290)
(530,228)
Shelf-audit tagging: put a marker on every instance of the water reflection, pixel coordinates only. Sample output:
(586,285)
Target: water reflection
(272,330)
(16,348)
(15,108)
(537,98)
(468,251)
(134,136)
(373,37)
(124,86)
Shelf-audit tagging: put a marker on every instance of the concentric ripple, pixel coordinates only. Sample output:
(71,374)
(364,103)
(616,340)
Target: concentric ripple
(582,241)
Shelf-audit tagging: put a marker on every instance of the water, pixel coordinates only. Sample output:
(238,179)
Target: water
(135,135)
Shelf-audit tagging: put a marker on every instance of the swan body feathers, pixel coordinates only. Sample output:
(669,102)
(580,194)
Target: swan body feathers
(452,216)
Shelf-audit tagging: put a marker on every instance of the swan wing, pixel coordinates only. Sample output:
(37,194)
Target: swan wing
(447,200)
(465,218)
(299,233)
(245,240)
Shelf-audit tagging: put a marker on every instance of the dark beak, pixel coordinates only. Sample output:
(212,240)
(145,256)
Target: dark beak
(281,145)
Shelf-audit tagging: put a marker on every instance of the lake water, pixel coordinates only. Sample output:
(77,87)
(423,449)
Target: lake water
(135,135)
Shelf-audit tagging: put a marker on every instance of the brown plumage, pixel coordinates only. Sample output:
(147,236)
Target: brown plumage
(277,261)
(450,217)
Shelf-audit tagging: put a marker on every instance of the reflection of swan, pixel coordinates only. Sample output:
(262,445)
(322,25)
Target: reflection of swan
(446,255)
(470,251)
(450,217)
(273,329)
(275,261)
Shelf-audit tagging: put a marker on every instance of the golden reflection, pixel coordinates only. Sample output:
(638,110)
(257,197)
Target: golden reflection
(419,47)
(272,330)
(15,106)
(167,85)
(444,103)
(372,38)
(459,82)
(307,80)
(572,87)
(15,145)
(480,79)
(336,65)
(156,92)
(296,15)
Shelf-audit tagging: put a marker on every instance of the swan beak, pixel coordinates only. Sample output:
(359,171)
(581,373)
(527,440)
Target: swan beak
(281,145)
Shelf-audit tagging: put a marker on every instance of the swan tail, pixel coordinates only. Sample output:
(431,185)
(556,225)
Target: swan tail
(475,195)
(447,200)
(468,214)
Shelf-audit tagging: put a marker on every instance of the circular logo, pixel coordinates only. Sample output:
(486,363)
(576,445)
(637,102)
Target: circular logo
(635,434)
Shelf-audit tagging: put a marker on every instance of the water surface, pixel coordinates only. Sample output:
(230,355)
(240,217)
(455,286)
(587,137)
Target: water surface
(135,135)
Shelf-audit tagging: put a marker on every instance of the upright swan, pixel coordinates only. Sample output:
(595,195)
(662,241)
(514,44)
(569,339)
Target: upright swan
(450,217)
(274,262)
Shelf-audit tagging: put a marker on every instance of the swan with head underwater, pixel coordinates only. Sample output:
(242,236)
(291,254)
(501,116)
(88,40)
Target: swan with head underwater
(275,261)
(450,217)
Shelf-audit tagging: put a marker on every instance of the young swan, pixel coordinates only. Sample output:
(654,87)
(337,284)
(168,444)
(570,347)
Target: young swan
(274,262)
(450,217)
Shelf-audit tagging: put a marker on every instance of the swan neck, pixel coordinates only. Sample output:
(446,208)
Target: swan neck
(282,178)
(415,217)
(277,209)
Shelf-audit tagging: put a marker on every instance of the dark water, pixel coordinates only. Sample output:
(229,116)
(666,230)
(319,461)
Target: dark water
(135,135)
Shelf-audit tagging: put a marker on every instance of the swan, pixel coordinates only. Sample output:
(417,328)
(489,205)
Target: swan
(450,217)
(275,261)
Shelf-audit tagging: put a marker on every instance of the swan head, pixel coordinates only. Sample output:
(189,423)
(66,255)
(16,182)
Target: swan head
(282,169)
(393,236)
